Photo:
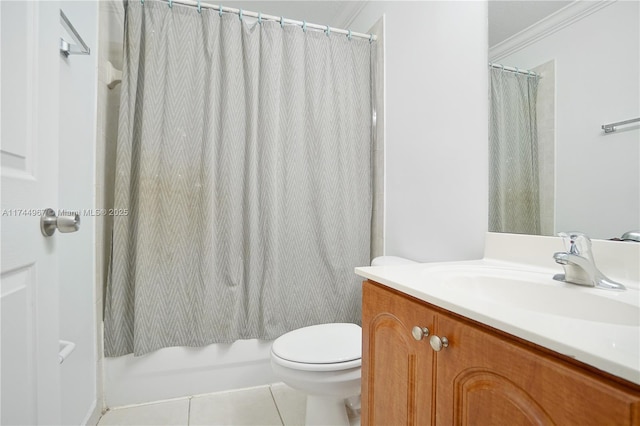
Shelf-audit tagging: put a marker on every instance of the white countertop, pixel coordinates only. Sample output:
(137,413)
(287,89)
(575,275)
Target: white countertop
(609,346)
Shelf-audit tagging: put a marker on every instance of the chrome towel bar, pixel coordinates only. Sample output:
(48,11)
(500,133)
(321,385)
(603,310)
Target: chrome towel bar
(609,128)
(66,48)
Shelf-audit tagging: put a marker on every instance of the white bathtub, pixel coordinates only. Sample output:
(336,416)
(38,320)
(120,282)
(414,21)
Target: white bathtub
(177,372)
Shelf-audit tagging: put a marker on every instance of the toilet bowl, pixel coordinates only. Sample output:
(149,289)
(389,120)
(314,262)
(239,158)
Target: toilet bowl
(322,361)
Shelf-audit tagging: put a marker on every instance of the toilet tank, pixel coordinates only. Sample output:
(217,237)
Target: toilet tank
(390,261)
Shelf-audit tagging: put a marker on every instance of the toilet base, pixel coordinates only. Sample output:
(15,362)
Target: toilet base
(326,410)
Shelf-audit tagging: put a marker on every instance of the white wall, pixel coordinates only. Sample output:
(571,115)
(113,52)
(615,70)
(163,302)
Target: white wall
(597,67)
(436,127)
(78,75)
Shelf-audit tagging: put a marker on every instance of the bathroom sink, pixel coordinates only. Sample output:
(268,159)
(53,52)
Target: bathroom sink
(536,292)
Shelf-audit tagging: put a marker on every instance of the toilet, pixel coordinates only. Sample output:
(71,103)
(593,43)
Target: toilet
(324,362)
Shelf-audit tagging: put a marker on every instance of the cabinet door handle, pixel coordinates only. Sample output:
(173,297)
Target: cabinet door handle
(438,343)
(419,333)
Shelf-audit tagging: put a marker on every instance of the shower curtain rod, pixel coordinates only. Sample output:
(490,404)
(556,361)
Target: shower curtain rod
(514,69)
(264,17)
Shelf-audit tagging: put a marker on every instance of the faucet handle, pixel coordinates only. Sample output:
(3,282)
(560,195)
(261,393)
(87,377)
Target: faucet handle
(577,243)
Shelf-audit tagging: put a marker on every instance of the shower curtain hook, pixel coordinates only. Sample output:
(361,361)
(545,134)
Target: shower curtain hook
(260,18)
(199,7)
(170,4)
(349,35)
(328,31)
(142,2)
(517,70)
(220,10)
(282,22)
(370,38)
(304,26)
(240,15)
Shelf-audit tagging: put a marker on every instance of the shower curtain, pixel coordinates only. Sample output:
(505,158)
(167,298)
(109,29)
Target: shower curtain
(514,203)
(243,162)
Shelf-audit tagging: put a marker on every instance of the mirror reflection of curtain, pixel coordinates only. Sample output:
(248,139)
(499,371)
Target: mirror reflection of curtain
(514,204)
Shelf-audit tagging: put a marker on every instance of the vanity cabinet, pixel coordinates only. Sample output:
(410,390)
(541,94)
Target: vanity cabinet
(480,375)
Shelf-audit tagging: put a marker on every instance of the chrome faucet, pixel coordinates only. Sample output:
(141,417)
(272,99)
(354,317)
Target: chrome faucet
(579,265)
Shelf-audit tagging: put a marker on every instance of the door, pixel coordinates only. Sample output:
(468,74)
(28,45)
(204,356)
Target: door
(485,379)
(396,368)
(29,67)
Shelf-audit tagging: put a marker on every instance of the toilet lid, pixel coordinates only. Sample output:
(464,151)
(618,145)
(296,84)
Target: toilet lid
(320,344)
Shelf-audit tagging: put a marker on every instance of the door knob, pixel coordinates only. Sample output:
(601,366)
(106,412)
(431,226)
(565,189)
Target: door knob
(419,333)
(438,343)
(49,222)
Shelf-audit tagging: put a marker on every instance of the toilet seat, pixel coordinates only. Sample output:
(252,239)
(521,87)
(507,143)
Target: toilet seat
(336,366)
(324,347)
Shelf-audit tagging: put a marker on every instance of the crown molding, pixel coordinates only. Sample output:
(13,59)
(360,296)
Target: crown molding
(350,13)
(564,17)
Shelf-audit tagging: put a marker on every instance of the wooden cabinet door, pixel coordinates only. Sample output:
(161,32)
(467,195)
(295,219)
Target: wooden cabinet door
(486,379)
(396,368)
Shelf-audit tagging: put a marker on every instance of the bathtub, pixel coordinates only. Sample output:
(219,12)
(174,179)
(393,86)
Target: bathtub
(180,371)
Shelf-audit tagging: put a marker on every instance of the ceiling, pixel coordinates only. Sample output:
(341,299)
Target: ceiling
(506,18)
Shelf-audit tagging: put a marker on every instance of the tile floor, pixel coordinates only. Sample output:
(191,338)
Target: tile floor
(272,405)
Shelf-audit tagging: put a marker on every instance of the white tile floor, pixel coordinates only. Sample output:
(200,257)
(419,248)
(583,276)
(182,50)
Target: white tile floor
(272,405)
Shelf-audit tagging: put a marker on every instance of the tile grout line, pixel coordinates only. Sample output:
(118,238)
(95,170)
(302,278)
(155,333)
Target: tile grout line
(276,404)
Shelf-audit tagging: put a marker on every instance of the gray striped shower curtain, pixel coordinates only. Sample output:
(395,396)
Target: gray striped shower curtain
(244,161)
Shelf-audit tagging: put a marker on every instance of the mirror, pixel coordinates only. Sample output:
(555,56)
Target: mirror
(588,56)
